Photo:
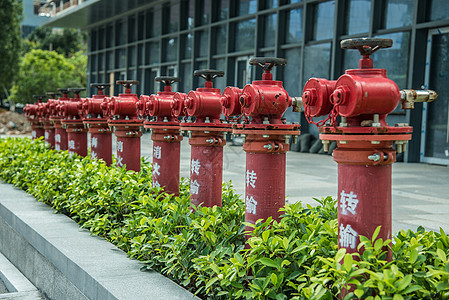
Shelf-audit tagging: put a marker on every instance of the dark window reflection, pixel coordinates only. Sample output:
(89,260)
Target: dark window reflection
(187,45)
(174,15)
(120,58)
(270,30)
(220,82)
(324,20)
(271,4)
(205,11)
(291,79)
(395,59)
(247,7)
(203,43)
(120,34)
(244,35)
(220,39)
(398,13)
(439,10)
(223,9)
(187,75)
(93,63)
(154,53)
(157,22)
(437,129)
(294,26)
(171,48)
(358,16)
(316,61)
(132,32)
(132,56)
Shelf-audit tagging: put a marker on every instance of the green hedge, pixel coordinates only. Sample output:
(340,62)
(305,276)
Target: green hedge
(203,249)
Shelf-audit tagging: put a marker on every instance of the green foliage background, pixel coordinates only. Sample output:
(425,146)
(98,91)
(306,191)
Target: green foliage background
(203,249)
(10,41)
(42,71)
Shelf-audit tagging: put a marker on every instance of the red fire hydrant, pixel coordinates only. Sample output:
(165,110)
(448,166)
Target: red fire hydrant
(165,135)
(205,138)
(32,114)
(123,117)
(362,98)
(73,123)
(266,141)
(97,124)
(55,119)
(44,118)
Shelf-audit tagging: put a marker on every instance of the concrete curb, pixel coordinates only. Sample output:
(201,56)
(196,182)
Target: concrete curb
(66,262)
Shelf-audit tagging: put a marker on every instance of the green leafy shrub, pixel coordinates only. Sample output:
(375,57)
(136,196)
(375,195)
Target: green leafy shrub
(203,249)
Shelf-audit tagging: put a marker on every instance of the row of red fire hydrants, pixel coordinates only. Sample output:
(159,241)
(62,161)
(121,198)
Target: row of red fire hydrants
(361,99)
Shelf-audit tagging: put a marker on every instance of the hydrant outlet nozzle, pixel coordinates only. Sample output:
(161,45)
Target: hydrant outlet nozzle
(409,97)
(297,104)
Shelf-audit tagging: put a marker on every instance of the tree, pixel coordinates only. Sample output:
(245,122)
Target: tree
(10,42)
(66,41)
(44,71)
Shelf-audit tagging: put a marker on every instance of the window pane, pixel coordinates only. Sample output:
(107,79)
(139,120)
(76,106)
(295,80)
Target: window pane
(247,7)
(187,46)
(291,79)
(270,30)
(171,48)
(270,4)
(140,26)
(174,16)
(93,40)
(358,17)
(132,56)
(120,58)
(101,62)
(120,34)
(187,74)
(324,20)
(439,10)
(132,32)
(93,63)
(398,13)
(245,35)
(110,60)
(294,26)
(220,82)
(156,29)
(101,39)
(140,55)
(395,59)
(154,53)
(109,33)
(220,39)
(205,11)
(223,7)
(203,43)
(191,17)
(316,61)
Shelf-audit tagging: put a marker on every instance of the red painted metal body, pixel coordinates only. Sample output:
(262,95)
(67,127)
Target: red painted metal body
(97,124)
(49,130)
(122,116)
(32,114)
(55,119)
(165,135)
(206,140)
(73,123)
(267,138)
(363,98)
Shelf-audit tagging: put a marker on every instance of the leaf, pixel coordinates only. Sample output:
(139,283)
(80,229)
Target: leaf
(441,255)
(375,233)
(274,279)
(265,235)
(340,254)
(359,293)
(413,256)
(398,297)
(412,289)
(348,262)
(269,262)
(405,282)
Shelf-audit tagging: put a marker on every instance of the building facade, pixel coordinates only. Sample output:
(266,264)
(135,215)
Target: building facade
(141,39)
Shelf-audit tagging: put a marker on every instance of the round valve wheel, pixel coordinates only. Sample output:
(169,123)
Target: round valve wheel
(366,46)
(63,91)
(127,83)
(208,74)
(76,91)
(267,63)
(39,97)
(167,80)
(100,86)
(52,95)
